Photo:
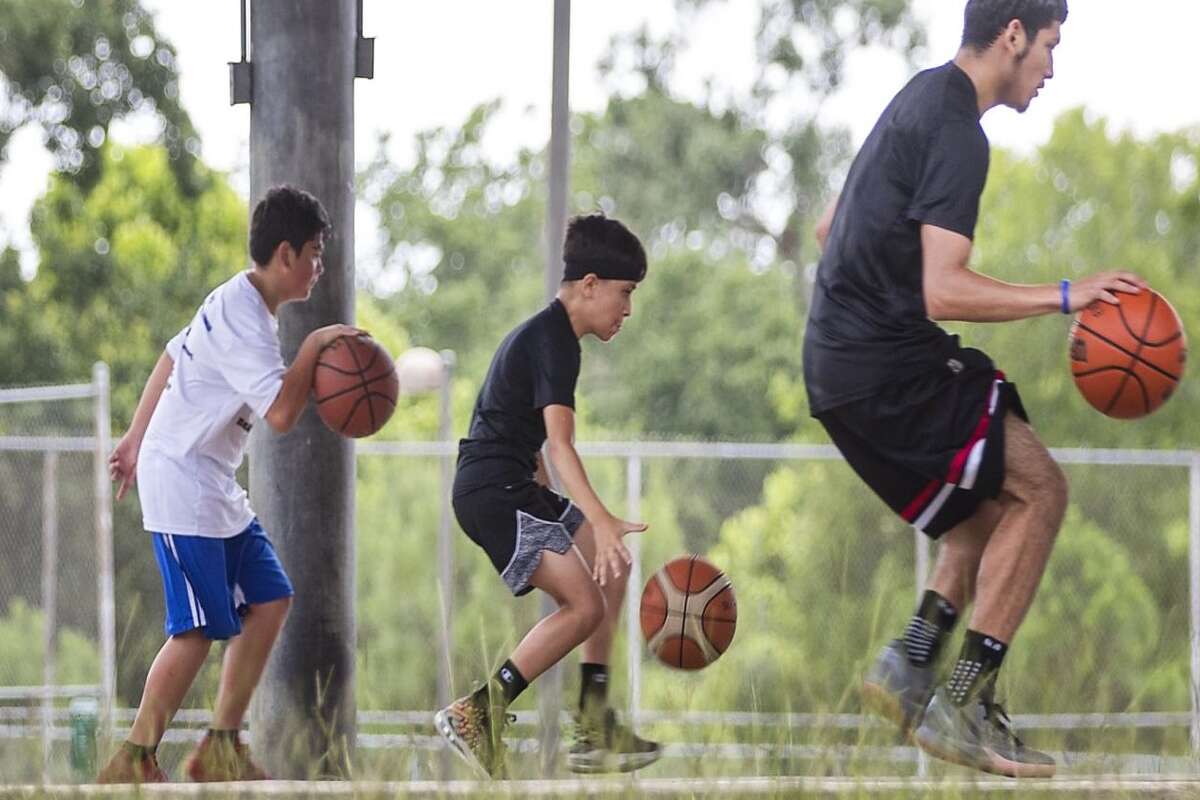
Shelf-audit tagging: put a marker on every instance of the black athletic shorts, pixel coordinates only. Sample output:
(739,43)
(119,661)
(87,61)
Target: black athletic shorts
(514,523)
(932,447)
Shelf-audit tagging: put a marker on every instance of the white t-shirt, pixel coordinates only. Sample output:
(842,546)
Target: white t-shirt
(228,371)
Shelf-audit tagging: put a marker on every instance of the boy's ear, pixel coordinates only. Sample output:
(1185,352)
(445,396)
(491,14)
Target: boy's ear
(588,283)
(285,254)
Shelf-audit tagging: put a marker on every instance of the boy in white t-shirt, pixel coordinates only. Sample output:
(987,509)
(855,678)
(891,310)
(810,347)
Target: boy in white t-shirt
(221,577)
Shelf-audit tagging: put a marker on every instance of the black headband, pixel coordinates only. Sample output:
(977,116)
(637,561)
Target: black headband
(609,269)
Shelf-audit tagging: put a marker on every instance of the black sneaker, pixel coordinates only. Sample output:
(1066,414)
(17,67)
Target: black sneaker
(604,744)
(979,734)
(893,688)
(467,726)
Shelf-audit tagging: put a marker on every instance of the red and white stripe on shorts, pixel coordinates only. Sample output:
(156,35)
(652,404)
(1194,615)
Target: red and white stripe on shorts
(964,468)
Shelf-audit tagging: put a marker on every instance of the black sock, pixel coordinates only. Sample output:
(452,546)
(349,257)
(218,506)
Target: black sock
(510,682)
(223,735)
(138,752)
(593,688)
(923,637)
(977,665)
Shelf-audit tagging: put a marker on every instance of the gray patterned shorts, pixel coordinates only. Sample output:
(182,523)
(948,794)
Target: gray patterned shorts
(514,524)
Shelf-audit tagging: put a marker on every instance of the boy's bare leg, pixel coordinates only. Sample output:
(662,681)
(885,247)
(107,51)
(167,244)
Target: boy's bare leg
(245,658)
(603,743)
(598,647)
(171,675)
(568,580)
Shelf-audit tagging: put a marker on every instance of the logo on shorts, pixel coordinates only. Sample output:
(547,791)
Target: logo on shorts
(955,365)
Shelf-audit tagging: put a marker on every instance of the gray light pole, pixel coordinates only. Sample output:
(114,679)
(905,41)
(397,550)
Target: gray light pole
(299,80)
(550,683)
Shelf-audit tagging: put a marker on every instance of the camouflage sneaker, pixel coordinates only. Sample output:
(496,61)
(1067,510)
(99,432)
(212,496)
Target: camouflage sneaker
(123,768)
(604,744)
(979,734)
(467,726)
(893,688)
(216,759)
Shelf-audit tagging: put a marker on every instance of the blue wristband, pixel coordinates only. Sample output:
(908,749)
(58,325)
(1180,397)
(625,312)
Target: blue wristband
(1065,287)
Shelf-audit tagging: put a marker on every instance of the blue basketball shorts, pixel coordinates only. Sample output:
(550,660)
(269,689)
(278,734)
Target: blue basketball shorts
(210,583)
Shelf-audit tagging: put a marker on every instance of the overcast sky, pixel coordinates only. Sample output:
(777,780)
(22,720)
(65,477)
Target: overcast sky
(1137,68)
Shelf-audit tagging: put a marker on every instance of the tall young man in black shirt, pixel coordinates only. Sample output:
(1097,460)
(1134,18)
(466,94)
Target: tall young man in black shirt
(933,427)
(570,549)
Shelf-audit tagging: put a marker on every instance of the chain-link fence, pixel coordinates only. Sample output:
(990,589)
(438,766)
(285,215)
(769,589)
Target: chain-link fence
(56,591)
(825,574)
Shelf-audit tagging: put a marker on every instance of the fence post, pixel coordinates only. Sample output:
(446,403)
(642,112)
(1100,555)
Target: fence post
(1194,595)
(633,647)
(49,603)
(445,544)
(107,633)
(921,548)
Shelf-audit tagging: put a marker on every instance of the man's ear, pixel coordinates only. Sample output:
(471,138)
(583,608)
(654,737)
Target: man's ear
(589,283)
(1015,36)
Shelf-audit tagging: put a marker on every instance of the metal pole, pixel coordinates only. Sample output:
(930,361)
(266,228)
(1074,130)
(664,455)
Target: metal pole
(550,684)
(104,553)
(560,147)
(633,644)
(303,716)
(921,547)
(49,603)
(1194,594)
(445,685)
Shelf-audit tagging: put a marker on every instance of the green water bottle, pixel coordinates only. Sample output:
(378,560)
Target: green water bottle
(84,712)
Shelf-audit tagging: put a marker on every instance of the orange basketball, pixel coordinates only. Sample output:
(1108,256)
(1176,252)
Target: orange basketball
(1127,359)
(689,613)
(355,386)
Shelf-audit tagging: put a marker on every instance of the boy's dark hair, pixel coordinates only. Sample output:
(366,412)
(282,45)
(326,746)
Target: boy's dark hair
(985,20)
(597,244)
(285,214)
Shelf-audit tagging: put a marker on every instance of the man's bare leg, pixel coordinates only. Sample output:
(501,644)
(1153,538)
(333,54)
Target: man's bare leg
(955,727)
(1015,556)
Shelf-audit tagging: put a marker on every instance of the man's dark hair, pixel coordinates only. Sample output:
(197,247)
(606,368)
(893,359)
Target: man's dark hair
(985,20)
(597,244)
(286,214)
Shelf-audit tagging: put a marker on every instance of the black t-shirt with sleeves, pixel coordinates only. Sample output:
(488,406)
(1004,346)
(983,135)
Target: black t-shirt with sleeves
(537,365)
(925,162)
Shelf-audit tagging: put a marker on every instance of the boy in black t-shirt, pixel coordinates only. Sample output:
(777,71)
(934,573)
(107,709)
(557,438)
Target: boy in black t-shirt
(535,538)
(932,427)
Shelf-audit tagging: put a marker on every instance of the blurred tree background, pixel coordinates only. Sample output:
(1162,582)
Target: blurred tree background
(130,239)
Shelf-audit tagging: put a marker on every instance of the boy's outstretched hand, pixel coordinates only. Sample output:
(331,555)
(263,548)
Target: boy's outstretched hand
(610,550)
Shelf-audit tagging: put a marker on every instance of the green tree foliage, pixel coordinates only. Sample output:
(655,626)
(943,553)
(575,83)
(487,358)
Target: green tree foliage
(74,67)
(22,650)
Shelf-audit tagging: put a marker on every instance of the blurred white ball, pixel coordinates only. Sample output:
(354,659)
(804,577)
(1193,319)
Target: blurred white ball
(420,369)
